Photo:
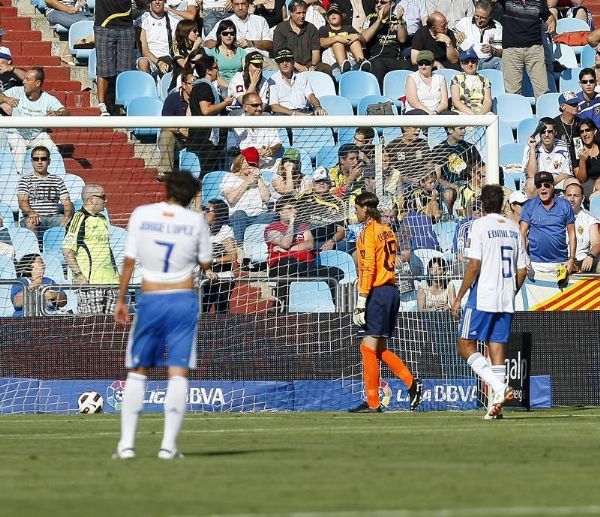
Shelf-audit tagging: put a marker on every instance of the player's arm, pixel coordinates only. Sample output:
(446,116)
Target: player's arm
(366,277)
(121,309)
(572,247)
(471,274)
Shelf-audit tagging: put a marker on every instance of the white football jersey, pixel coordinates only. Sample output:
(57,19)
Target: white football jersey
(496,241)
(168,240)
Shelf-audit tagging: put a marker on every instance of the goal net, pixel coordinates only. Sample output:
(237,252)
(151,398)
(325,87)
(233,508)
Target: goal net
(275,327)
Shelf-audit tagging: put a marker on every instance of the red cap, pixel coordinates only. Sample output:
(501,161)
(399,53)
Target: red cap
(251,155)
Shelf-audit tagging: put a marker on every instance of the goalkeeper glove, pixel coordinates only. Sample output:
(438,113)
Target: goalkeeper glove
(359,315)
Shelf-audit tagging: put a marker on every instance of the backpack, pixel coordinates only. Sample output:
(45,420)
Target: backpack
(380,108)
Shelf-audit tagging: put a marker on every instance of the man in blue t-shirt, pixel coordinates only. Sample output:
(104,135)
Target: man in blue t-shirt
(589,100)
(545,220)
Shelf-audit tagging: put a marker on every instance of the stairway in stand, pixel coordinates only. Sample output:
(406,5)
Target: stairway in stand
(99,156)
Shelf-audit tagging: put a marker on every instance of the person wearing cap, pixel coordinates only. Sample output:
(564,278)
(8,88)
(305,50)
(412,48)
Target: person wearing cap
(290,93)
(246,193)
(587,230)
(341,42)
(567,123)
(265,139)
(386,36)
(549,154)
(250,80)
(253,32)
(516,200)
(482,34)
(347,174)
(436,38)
(471,92)
(589,99)
(67,12)
(545,220)
(10,75)
(302,38)
(587,168)
(426,92)
(289,178)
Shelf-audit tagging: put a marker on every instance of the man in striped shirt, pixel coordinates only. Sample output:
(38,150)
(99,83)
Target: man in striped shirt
(40,193)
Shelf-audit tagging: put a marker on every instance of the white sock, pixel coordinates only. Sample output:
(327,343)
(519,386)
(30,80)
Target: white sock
(175,405)
(133,403)
(500,372)
(483,370)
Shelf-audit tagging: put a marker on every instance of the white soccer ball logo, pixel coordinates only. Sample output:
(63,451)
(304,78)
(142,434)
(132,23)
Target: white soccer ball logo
(90,402)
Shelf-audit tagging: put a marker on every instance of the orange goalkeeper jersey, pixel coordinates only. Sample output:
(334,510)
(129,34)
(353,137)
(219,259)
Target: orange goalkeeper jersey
(376,247)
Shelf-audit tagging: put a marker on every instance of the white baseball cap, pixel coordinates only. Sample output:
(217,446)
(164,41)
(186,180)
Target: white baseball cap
(5,53)
(517,197)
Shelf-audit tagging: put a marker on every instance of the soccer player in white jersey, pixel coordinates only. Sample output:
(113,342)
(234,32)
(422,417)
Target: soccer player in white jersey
(169,241)
(494,274)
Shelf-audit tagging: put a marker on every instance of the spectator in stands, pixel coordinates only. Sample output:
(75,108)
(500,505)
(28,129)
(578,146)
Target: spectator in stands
(386,37)
(586,229)
(156,40)
(205,101)
(246,193)
(265,139)
(363,140)
(341,42)
(227,54)
(461,241)
(571,9)
(253,33)
(471,190)
(415,14)
(347,174)
(39,195)
(175,105)
(481,34)
(218,290)
(424,198)
(589,99)
(67,12)
(567,123)
(545,220)
(291,246)
(522,46)
(302,38)
(437,39)
(115,41)
(453,10)
(289,178)
(187,49)
(86,248)
(471,92)
(420,227)
(30,100)
(410,155)
(516,200)
(250,80)
(10,75)
(273,11)
(30,274)
(214,11)
(290,93)
(436,293)
(587,168)
(549,154)
(426,92)
(183,9)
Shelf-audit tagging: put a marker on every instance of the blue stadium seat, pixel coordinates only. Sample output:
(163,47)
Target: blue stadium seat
(8,195)
(57,164)
(447,74)
(569,80)
(255,247)
(145,107)
(54,268)
(512,108)
(526,128)
(595,206)
(322,84)
(435,136)
(527,89)
(572,25)
(327,156)
(511,159)
(444,232)
(336,105)
(512,180)
(310,296)
(189,162)
(368,100)
(74,185)
(342,260)
(133,84)
(7,268)
(163,85)
(587,59)
(8,218)
(52,241)
(356,84)
(547,105)
(496,78)
(394,85)
(79,30)
(306,167)
(92,66)
(505,133)
(211,186)
(311,139)
(267,176)
(24,241)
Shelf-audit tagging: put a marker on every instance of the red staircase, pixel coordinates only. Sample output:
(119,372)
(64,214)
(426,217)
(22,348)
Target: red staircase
(99,156)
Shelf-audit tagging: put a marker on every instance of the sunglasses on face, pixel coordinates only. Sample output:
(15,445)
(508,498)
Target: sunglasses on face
(228,34)
(424,63)
(584,130)
(101,196)
(548,132)
(39,158)
(471,61)
(544,185)
(588,81)
(255,105)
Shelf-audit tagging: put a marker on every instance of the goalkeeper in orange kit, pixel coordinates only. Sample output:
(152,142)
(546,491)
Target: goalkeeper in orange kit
(378,302)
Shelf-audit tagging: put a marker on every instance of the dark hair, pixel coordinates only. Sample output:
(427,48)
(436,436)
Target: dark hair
(439,261)
(246,71)
(370,202)
(548,121)
(223,26)
(184,27)
(367,132)
(286,199)
(587,121)
(295,4)
(182,187)
(347,149)
(587,71)
(40,75)
(486,5)
(42,148)
(203,65)
(492,199)
(221,211)
(25,265)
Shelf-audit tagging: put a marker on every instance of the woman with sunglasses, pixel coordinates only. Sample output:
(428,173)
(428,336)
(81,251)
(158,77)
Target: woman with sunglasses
(227,54)
(187,48)
(587,170)
(471,92)
(426,93)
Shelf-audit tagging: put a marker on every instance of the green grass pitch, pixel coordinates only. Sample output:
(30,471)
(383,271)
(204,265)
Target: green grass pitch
(307,464)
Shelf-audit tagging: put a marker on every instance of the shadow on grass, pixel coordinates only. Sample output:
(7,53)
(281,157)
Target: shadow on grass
(240,452)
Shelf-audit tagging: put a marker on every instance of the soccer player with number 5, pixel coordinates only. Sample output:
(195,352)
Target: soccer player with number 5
(376,309)
(169,241)
(495,273)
